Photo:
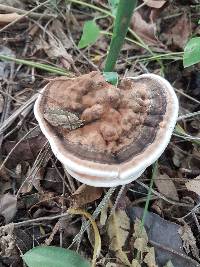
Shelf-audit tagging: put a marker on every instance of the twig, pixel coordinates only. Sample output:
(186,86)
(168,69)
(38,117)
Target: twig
(189,115)
(13,117)
(33,221)
(24,15)
(187,96)
(192,211)
(173,202)
(22,12)
(182,255)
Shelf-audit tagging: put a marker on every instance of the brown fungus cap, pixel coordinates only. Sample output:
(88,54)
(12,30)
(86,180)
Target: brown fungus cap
(119,132)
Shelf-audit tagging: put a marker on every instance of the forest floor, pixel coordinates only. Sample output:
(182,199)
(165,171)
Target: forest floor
(35,191)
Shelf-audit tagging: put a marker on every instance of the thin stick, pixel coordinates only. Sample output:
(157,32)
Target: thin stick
(22,12)
(37,220)
(189,115)
(24,15)
(173,202)
(122,21)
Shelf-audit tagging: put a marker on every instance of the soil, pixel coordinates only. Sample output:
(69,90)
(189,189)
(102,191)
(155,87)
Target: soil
(35,190)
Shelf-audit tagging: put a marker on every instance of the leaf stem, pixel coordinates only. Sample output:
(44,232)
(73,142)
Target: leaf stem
(122,21)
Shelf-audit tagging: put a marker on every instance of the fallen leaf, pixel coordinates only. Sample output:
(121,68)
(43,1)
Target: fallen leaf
(52,180)
(169,264)
(7,18)
(7,240)
(85,194)
(145,30)
(139,231)
(54,49)
(164,236)
(135,263)
(177,35)
(57,29)
(189,241)
(23,239)
(194,185)
(118,231)
(147,253)
(8,206)
(178,157)
(141,245)
(150,258)
(166,186)
(26,150)
(155,3)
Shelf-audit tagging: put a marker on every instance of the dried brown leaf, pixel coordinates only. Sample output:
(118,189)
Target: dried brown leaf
(8,206)
(141,245)
(7,240)
(26,150)
(150,258)
(54,49)
(118,231)
(57,29)
(139,231)
(189,241)
(155,3)
(177,36)
(145,30)
(135,263)
(85,194)
(194,185)
(166,186)
(169,264)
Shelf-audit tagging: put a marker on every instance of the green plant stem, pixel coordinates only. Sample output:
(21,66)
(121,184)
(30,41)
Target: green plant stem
(140,42)
(122,21)
(154,173)
(126,38)
(36,65)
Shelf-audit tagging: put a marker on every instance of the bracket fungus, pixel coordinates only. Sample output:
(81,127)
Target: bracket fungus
(106,135)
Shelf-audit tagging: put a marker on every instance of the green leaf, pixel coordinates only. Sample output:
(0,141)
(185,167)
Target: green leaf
(113,4)
(53,257)
(192,52)
(90,34)
(111,77)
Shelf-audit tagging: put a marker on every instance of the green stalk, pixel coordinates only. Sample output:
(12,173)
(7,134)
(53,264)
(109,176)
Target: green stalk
(122,21)
(30,63)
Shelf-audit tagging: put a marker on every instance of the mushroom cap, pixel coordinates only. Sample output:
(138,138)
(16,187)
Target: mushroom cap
(125,130)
